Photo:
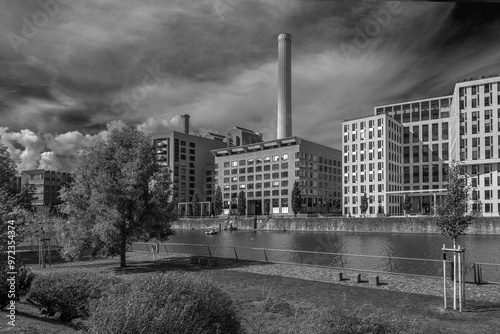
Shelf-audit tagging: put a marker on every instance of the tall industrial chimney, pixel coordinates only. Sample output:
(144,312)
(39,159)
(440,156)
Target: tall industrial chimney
(284,86)
(186,123)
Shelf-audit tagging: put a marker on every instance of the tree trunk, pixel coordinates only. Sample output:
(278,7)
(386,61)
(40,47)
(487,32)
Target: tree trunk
(123,253)
(123,246)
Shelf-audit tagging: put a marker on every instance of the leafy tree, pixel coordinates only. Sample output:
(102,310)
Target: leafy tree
(296,199)
(10,208)
(8,170)
(407,205)
(242,203)
(118,195)
(195,206)
(364,204)
(26,196)
(218,205)
(453,214)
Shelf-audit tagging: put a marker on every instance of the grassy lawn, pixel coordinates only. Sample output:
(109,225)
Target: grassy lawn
(271,304)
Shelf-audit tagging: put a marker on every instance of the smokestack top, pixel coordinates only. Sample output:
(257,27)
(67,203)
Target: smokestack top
(285,36)
(186,123)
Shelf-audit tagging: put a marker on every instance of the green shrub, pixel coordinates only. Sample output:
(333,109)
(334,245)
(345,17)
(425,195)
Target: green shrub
(164,303)
(69,292)
(23,282)
(337,320)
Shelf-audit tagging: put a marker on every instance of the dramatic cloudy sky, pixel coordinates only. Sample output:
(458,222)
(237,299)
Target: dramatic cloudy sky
(72,69)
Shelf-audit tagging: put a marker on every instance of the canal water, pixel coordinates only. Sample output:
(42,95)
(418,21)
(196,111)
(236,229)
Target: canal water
(479,248)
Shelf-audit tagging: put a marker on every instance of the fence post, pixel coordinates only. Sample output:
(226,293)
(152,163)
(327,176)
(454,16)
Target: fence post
(444,278)
(265,254)
(341,262)
(209,252)
(235,253)
(390,265)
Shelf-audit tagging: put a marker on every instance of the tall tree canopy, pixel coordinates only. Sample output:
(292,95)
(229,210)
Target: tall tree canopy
(296,199)
(242,203)
(218,202)
(118,195)
(8,169)
(453,214)
(13,205)
(364,204)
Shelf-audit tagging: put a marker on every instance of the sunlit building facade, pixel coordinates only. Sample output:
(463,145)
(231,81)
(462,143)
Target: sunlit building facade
(267,171)
(462,127)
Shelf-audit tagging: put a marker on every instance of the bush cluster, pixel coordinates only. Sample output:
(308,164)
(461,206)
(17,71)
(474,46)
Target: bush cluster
(23,282)
(70,292)
(164,303)
(338,320)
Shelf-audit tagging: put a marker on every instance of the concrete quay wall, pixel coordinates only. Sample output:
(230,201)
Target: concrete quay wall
(480,226)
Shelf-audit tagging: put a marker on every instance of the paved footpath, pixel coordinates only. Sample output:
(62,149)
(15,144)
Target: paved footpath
(411,284)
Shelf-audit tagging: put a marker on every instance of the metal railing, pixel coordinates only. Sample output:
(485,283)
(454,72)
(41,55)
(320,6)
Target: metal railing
(343,261)
(486,273)
(479,273)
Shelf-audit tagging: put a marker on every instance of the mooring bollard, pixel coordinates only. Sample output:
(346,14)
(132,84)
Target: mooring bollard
(356,278)
(337,277)
(373,280)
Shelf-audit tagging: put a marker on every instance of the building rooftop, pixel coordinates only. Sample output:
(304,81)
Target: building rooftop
(270,144)
(247,130)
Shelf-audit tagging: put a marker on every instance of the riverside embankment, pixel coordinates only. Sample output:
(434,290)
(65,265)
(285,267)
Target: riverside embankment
(480,226)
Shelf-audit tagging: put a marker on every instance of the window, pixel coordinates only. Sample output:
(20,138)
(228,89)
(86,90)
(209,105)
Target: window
(435,131)
(435,152)
(444,130)
(425,153)
(415,134)
(415,154)
(406,135)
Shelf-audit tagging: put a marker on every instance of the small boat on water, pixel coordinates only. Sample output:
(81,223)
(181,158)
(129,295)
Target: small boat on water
(211,231)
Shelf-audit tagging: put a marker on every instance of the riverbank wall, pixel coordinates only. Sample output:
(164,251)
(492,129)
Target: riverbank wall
(480,226)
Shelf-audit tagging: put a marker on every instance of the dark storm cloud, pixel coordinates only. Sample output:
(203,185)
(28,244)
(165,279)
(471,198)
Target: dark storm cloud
(93,63)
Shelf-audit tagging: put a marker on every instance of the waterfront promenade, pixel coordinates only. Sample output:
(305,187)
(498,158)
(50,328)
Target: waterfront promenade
(410,284)
(424,285)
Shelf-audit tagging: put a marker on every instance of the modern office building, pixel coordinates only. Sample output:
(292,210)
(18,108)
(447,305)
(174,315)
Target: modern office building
(47,184)
(372,164)
(190,160)
(266,173)
(462,127)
